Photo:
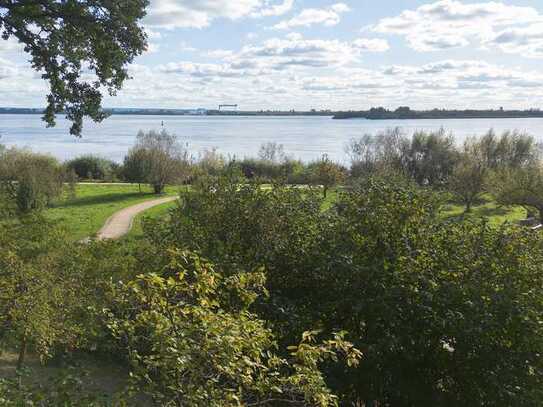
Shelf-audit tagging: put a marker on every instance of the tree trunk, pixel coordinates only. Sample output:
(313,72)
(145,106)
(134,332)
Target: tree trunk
(325,191)
(158,189)
(22,353)
(468,207)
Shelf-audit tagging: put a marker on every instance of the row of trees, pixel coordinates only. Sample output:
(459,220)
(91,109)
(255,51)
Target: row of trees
(159,158)
(35,181)
(507,166)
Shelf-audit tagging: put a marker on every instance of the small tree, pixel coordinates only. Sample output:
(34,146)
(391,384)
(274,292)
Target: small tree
(383,153)
(37,296)
(210,163)
(467,181)
(430,158)
(520,186)
(327,173)
(160,158)
(510,150)
(135,167)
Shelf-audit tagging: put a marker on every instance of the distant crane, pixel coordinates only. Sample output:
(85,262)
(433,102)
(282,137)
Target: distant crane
(228,106)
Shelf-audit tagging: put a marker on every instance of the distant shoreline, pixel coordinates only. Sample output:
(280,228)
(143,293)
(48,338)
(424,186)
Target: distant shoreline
(372,114)
(408,114)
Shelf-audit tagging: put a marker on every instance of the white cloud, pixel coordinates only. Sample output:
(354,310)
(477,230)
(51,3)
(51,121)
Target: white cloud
(273,10)
(7,69)
(292,53)
(10,45)
(329,17)
(260,82)
(198,70)
(218,53)
(186,47)
(200,13)
(449,24)
(295,51)
(527,41)
(371,44)
(340,8)
(153,47)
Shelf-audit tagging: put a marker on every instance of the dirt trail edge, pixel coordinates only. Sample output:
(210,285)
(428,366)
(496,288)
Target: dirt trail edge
(120,223)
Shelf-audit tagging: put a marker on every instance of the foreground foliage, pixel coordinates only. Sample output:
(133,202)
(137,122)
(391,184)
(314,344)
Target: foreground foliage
(192,341)
(205,309)
(445,313)
(183,330)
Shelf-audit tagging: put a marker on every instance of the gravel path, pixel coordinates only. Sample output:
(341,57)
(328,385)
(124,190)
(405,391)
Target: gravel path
(120,223)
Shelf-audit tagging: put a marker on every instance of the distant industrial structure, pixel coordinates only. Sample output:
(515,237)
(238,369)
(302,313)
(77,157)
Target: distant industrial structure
(228,107)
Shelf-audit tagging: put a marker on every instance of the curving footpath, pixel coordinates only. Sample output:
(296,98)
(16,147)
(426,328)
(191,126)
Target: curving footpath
(120,223)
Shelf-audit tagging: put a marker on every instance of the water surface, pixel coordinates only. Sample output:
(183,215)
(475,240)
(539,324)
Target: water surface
(306,138)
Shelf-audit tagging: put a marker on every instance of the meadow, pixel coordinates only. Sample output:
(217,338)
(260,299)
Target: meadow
(85,213)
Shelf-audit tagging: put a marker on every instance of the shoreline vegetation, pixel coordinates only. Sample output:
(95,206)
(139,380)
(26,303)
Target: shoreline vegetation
(375,113)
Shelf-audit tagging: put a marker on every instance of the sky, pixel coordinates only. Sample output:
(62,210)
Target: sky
(317,54)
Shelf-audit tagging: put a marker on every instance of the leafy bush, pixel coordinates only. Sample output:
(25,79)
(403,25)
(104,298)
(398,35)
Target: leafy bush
(93,168)
(445,313)
(188,346)
(41,299)
(32,181)
(327,173)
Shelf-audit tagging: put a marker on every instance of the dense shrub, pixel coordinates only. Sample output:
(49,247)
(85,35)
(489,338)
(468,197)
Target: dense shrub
(94,168)
(428,158)
(65,389)
(381,153)
(32,181)
(445,313)
(182,327)
(191,341)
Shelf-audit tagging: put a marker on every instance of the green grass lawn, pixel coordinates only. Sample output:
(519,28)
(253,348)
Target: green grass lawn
(488,209)
(85,214)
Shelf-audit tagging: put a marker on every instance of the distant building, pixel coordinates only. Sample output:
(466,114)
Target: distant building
(227,107)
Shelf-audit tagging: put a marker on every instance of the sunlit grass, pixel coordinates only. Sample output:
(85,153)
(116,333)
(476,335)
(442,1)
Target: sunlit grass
(488,209)
(93,204)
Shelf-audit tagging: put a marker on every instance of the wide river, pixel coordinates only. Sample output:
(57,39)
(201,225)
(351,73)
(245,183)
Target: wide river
(306,138)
